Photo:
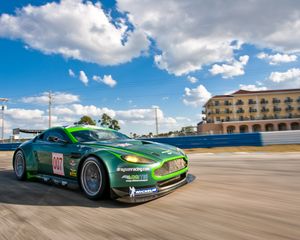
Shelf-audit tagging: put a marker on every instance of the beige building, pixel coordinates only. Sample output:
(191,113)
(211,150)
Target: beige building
(252,111)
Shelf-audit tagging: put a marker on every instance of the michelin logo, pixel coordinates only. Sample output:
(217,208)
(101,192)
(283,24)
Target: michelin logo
(136,192)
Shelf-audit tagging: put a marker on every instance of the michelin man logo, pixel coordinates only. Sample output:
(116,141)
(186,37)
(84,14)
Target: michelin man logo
(131,191)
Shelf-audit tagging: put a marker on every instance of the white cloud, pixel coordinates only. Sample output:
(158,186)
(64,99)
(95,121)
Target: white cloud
(75,29)
(192,79)
(57,97)
(107,80)
(24,114)
(83,78)
(190,34)
(196,96)
(71,73)
(252,87)
(235,68)
(277,58)
(288,79)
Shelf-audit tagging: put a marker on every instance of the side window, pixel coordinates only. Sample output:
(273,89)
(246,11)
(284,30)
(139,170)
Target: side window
(55,133)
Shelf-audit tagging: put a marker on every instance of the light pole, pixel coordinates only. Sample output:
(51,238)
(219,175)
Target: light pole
(3,100)
(156,120)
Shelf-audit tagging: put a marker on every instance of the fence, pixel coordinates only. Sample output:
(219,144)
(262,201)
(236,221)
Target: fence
(209,141)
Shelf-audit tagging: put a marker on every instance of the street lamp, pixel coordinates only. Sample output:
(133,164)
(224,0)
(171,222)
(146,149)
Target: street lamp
(3,100)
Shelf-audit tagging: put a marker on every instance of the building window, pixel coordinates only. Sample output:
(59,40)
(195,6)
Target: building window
(288,100)
(251,101)
(218,119)
(217,111)
(276,100)
(263,101)
(244,129)
(230,129)
(256,128)
(240,110)
(241,118)
(295,126)
(239,102)
(217,103)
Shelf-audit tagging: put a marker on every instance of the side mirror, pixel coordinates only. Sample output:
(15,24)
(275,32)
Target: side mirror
(56,140)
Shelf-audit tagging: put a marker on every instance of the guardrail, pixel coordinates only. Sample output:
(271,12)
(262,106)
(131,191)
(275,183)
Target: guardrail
(208,141)
(222,140)
(8,146)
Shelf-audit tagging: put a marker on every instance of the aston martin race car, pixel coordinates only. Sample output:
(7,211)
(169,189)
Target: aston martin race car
(102,161)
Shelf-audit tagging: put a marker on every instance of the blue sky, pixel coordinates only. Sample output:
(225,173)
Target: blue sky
(174,56)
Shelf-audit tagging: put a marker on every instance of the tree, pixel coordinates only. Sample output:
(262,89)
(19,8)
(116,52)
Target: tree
(86,120)
(115,125)
(107,121)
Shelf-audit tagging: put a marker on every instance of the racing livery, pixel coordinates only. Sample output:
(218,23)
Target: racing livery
(102,161)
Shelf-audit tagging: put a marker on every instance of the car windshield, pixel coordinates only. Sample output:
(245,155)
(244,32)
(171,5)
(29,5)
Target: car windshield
(93,135)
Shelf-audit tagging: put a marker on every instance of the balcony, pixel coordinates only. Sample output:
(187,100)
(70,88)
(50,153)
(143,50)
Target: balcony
(264,110)
(264,101)
(240,111)
(227,103)
(276,109)
(252,110)
(227,111)
(288,100)
(239,102)
(276,101)
(289,108)
(250,102)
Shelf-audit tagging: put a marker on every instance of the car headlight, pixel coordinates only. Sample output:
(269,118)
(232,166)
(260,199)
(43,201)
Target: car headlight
(136,159)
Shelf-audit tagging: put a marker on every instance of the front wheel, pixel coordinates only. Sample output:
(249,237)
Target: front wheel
(93,178)
(19,165)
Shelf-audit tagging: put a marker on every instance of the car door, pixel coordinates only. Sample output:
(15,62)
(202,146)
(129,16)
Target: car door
(54,158)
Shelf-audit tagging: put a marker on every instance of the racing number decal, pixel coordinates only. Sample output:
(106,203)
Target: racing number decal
(58,163)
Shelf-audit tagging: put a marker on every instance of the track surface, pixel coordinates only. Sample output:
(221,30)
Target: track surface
(234,196)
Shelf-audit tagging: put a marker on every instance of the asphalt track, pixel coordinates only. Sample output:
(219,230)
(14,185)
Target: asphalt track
(233,196)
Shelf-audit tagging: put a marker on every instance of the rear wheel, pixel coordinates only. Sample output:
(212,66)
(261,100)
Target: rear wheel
(93,178)
(20,165)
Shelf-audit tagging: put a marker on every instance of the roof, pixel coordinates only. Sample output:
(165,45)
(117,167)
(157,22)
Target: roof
(241,91)
(245,92)
(221,96)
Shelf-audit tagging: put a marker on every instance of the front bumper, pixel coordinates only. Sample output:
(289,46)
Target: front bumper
(148,193)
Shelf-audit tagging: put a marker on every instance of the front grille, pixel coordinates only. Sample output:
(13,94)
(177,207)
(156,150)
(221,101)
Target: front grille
(171,167)
(171,181)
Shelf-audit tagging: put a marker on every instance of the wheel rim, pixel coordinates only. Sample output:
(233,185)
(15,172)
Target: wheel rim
(91,178)
(19,164)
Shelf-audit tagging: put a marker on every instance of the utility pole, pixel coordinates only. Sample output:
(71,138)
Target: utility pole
(156,120)
(50,105)
(3,100)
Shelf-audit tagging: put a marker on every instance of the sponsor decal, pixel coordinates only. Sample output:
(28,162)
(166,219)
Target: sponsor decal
(143,191)
(58,164)
(123,145)
(136,169)
(72,163)
(136,178)
(73,173)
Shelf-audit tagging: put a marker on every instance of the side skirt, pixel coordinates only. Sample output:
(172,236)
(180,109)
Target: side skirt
(65,182)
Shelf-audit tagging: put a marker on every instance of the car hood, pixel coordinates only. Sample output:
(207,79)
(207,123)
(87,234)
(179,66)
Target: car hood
(131,146)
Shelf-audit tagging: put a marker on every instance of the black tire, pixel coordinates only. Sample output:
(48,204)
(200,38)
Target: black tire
(93,178)
(19,164)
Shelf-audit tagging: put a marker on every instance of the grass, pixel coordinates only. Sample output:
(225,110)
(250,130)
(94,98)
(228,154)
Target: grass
(271,148)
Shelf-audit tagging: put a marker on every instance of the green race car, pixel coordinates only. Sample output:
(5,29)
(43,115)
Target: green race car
(102,161)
